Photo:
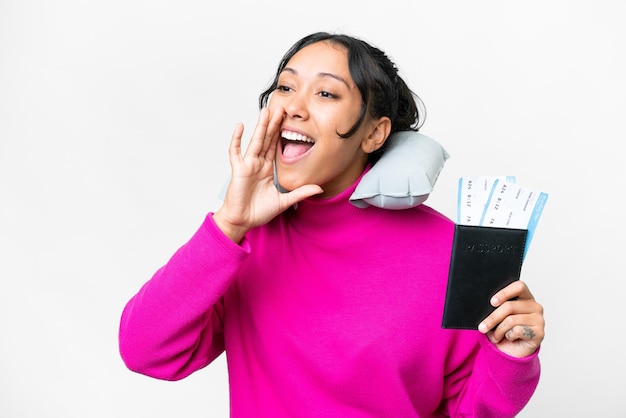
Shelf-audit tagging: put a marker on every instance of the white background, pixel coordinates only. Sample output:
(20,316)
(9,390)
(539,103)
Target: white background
(115,119)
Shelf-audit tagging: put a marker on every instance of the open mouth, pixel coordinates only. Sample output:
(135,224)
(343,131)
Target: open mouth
(295,144)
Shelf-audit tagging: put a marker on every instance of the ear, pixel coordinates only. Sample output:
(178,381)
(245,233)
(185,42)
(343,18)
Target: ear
(377,135)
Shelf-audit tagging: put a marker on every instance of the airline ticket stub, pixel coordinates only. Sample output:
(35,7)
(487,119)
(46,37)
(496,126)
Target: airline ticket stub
(498,201)
(473,195)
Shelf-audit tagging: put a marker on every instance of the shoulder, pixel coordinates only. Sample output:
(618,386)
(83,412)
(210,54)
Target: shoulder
(433,215)
(420,226)
(421,216)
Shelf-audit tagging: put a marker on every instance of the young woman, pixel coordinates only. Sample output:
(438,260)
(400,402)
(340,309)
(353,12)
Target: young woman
(325,309)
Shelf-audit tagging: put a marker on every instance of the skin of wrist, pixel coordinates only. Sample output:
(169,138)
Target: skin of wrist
(232,231)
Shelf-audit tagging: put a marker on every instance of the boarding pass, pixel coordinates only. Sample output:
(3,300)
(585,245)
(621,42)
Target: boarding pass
(499,202)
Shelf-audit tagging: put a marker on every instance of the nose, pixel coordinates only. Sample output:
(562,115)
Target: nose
(296,106)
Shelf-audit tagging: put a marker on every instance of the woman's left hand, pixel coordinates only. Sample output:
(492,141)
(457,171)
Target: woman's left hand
(516,326)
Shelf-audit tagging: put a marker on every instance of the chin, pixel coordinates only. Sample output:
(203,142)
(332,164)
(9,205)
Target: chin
(286,185)
(288,181)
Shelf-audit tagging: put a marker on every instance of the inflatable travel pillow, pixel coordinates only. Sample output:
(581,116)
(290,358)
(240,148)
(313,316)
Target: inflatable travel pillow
(404,175)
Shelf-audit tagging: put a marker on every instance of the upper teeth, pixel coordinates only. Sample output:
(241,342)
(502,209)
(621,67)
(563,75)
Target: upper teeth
(294,136)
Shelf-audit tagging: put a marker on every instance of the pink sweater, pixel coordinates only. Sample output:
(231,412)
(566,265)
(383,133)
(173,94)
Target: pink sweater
(327,311)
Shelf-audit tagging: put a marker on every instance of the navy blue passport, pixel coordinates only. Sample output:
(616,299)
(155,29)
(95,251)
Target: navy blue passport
(483,261)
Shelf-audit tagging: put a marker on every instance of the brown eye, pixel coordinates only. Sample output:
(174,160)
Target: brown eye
(324,93)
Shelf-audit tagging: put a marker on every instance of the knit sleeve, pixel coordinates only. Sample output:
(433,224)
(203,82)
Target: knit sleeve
(173,325)
(494,385)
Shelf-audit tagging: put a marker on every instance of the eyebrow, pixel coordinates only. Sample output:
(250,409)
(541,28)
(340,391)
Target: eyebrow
(322,74)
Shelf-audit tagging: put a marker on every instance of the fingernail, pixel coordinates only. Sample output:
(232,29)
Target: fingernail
(482,327)
(494,301)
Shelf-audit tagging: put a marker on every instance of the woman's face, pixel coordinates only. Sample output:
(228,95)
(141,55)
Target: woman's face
(320,99)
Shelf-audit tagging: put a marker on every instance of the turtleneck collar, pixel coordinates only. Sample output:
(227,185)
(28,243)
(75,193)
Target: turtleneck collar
(333,216)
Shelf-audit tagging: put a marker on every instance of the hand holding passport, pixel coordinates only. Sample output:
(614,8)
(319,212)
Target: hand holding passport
(495,224)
